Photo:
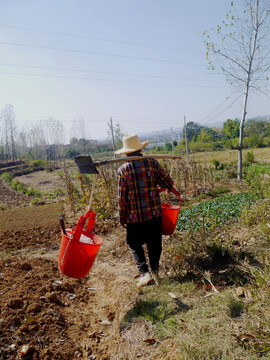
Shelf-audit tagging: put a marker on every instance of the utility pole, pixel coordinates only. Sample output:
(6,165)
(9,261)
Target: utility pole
(172,140)
(186,138)
(112,132)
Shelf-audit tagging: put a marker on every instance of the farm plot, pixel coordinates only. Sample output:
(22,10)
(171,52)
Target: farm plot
(42,180)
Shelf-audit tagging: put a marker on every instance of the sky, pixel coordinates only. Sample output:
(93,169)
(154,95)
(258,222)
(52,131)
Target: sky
(141,62)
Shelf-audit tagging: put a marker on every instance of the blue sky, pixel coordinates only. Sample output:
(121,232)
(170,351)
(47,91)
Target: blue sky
(140,61)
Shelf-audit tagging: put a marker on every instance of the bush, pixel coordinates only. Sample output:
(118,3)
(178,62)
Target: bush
(7,177)
(19,186)
(33,192)
(38,163)
(249,157)
(34,202)
(215,163)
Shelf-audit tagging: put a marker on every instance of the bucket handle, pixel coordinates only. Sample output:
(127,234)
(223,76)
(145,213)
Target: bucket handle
(81,223)
(174,191)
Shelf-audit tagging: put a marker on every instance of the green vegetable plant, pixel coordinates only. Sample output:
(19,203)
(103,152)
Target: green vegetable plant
(213,213)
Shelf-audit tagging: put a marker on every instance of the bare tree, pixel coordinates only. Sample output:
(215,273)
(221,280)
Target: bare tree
(78,129)
(9,130)
(53,131)
(114,134)
(37,142)
(22,142)
(241,51)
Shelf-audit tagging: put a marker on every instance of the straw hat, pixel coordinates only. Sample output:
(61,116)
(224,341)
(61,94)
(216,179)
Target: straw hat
(131,143)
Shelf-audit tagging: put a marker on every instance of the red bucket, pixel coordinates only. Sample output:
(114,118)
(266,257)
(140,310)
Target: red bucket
(170,215)
(79,248)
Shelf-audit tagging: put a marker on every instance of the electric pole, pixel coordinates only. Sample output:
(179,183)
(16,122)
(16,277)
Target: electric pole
(172,140)
(186,138)
(110,124)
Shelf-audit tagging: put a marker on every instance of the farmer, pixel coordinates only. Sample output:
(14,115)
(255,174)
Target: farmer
(140,206)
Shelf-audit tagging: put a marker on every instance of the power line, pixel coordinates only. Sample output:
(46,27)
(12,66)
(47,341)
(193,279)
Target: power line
(101,39)
(221,112)
(181,5)
(106,72)
(219,106)
(110,80)
(99,53)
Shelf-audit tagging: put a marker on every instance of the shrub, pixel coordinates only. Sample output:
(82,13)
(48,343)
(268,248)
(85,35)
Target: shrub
(19,186)
(249,157)
(7,177)
(35,201)
(38,163)
(215,163)
(33,192)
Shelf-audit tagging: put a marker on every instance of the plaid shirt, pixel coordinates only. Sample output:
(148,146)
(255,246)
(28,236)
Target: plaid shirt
(138,196)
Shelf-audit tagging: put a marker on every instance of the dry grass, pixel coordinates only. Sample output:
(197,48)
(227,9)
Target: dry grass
(261,155)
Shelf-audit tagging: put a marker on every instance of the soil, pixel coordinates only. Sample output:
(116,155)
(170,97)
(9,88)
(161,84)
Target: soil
(47,315)
(10,198)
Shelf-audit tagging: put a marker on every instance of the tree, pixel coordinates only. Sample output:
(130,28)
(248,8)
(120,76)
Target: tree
(115,134)
(78,129)
(193,129)
(231,128)
(9,130)
(242,52)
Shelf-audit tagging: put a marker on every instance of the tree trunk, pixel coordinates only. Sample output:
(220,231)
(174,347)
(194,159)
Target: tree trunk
(241,135)
(241,130)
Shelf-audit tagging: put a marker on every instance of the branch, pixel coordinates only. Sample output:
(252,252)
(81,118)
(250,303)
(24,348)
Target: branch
(232,60)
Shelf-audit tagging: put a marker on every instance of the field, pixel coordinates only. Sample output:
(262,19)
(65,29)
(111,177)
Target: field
(261,155)
(213,301)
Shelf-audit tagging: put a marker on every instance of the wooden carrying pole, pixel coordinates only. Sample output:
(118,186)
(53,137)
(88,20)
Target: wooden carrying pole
(124,159)
(87,166)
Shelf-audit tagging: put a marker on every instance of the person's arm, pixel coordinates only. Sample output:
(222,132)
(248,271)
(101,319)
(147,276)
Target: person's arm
(122,190)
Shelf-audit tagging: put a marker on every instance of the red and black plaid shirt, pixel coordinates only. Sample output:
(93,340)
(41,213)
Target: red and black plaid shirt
(138,196)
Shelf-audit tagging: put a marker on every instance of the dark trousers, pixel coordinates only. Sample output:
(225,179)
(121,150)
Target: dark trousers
(149,233)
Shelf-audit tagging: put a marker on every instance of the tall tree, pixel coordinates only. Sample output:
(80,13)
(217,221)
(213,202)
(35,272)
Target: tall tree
(192,129)
(241,51)
(9,130)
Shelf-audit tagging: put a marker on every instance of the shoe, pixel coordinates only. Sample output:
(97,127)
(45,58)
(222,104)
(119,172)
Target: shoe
(145,279)
(156,277)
